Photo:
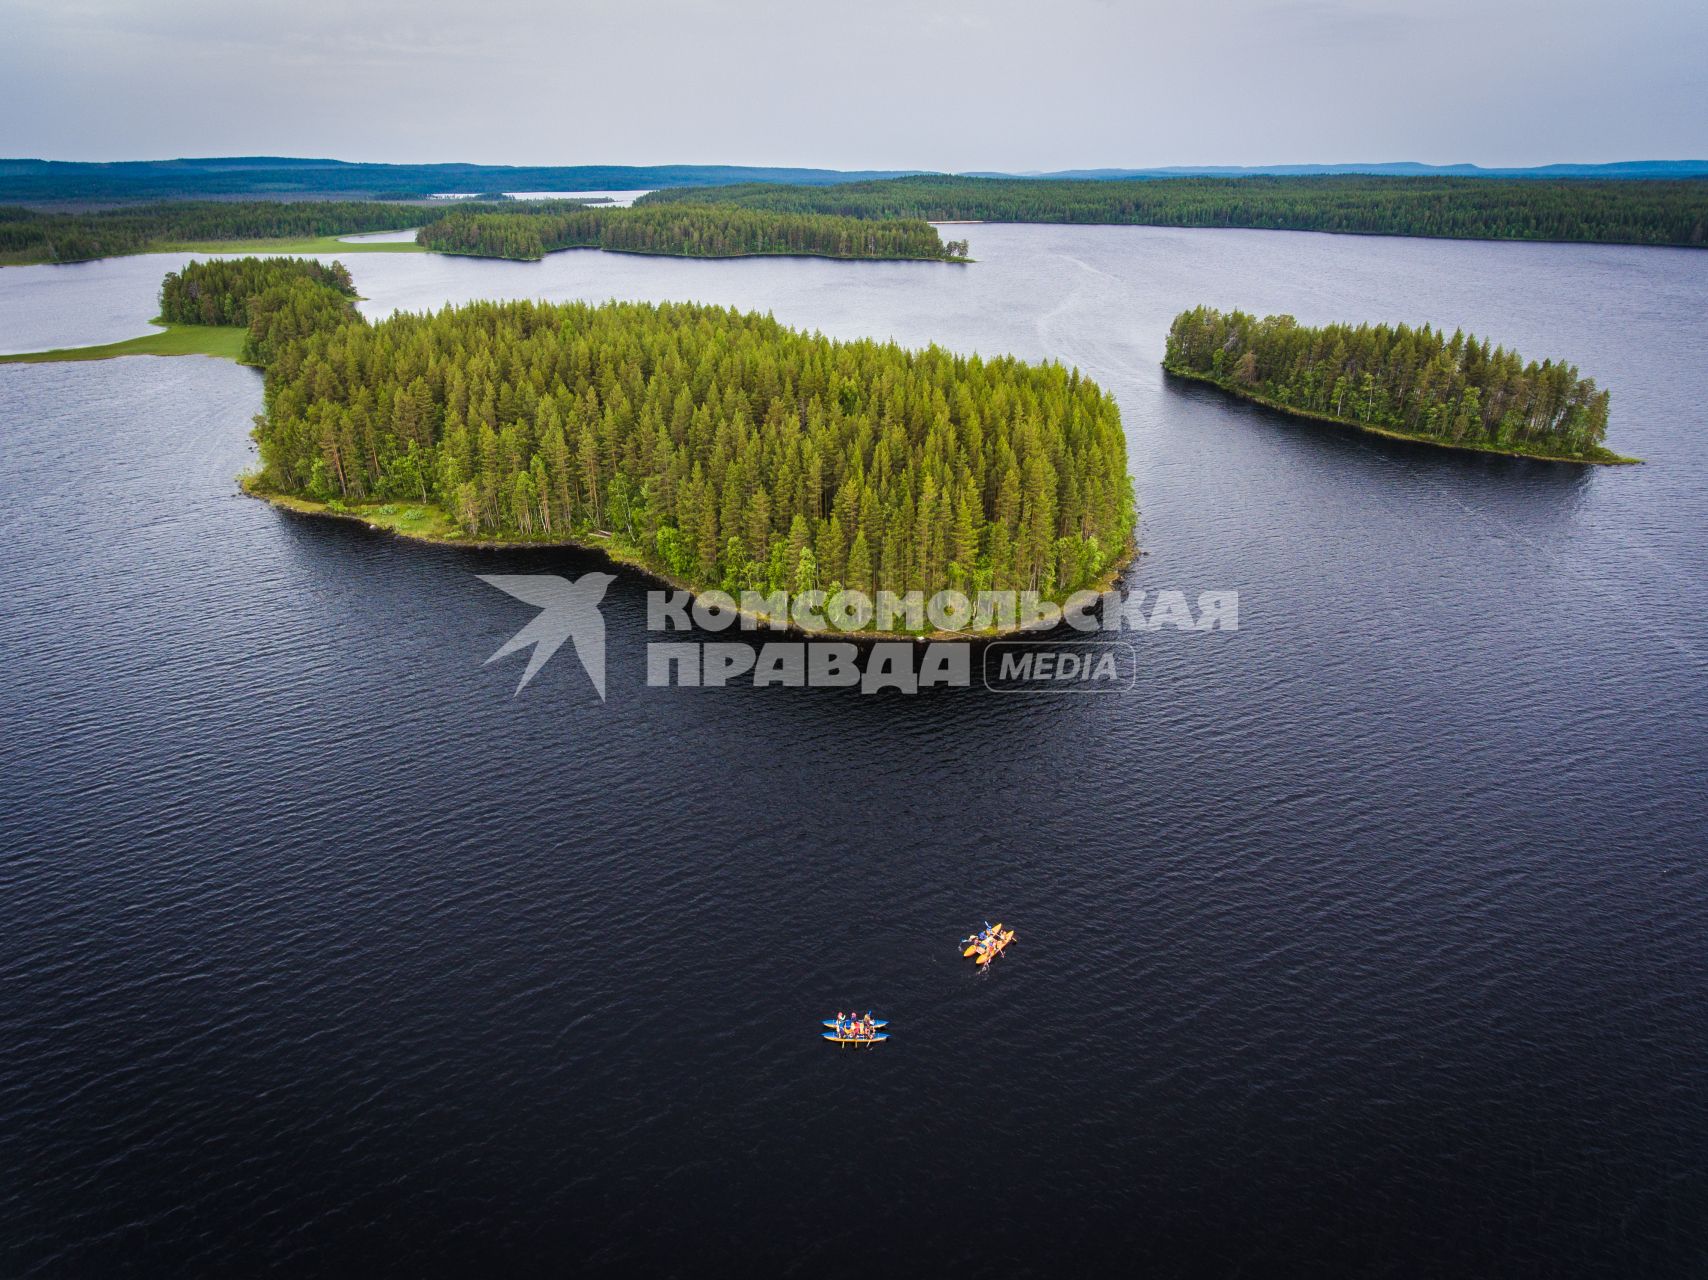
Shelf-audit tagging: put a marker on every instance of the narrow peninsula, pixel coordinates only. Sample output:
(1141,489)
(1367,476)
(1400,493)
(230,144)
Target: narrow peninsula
(1409,383)
(232,308)
(684,230)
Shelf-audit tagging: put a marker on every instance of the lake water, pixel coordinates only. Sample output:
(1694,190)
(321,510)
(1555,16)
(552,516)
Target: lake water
(1369,937)
(610,199)
(405,236)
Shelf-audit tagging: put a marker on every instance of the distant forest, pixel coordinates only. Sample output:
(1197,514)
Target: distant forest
(1455,389)
(702,231)
(1610,212)
(28,235)
(294,178)
(284,178)
(1614,212)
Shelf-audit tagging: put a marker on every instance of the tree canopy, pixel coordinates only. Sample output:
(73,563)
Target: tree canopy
(279,300)
(1419,381)
(218,291)
(719,447)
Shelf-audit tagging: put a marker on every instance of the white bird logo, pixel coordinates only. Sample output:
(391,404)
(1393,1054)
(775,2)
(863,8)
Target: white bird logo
(569,611)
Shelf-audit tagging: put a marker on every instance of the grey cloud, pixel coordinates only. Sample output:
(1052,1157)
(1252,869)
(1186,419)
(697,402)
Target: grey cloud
(949,84)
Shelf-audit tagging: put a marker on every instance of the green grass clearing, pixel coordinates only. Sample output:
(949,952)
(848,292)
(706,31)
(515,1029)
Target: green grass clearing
(309,244)
(225,342)
(420,520)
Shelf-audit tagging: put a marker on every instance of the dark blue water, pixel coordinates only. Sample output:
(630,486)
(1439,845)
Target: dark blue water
(1368,938)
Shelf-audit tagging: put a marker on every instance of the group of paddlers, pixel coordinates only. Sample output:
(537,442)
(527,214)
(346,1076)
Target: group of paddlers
(987,943)
(854,1026)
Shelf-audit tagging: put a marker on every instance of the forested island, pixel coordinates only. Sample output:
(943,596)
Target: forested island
(697,231)
(1417,383)
(1609,212)
(717,448)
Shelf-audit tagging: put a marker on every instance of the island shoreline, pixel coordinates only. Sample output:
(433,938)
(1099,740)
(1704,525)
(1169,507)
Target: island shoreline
(1191,375)
(309,509)
(701,257)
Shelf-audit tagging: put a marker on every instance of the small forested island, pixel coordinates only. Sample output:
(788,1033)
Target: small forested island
(697,231)
(231,290)
(1414,383)
(275,300)
(1599,211)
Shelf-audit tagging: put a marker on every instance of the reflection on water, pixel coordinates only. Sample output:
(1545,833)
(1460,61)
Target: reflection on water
(406,236)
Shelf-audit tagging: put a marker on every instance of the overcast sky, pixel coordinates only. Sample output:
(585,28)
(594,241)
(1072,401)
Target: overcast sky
(935,84)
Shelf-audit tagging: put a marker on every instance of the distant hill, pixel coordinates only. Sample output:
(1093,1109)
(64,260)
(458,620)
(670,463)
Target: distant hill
(293,178)
(1395,169)
(285,177)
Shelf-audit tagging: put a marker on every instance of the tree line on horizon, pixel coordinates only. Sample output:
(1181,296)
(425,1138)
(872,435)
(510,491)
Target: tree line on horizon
(1622,211)
(296,178)
(1651,212)
(689,230)
(717,446)
(1420,381)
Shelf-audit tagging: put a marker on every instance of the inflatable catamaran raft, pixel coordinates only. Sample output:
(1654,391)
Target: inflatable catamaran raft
(988,945)
(856,1030)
